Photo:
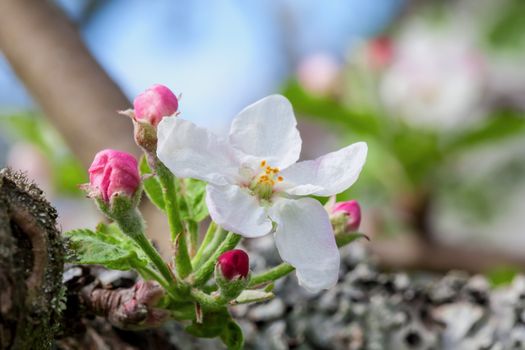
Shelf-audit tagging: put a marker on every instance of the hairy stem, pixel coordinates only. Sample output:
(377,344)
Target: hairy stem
(213,238)
(155,257)
(271,275)
(169,191)
(207,301)
(148,273)
(132,224)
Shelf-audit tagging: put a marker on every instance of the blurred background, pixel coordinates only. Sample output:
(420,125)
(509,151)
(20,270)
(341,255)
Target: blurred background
(437,89)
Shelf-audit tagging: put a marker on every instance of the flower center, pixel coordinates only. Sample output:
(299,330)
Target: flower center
(262,184)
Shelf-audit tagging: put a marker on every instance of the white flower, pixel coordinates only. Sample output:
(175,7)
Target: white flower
(436,78)
(255,184)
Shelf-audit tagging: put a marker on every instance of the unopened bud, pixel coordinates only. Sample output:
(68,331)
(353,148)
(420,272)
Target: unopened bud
(154,104)
(232,273)
(234,264)
(113,173)
(347,215)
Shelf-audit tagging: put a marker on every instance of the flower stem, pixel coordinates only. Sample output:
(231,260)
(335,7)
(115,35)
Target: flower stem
(193,229)
(148,273)
(271,275)
(207,301)
(212,227)
(169,191)
(154,256)
(202,275)
(131,223)
(213,238)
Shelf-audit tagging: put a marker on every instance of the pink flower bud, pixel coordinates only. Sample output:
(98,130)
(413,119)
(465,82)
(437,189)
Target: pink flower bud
(234,263)
(352,211)
(154,104)
(113,172)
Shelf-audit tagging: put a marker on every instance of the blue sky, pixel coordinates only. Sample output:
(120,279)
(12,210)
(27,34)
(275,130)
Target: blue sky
(221,55)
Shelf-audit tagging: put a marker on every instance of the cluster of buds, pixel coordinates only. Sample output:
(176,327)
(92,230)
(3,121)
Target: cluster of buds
(115,184)
(114,174)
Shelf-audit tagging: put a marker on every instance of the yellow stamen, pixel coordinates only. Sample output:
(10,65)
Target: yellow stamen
(263,184)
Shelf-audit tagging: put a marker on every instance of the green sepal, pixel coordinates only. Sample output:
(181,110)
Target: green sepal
(120,205)
(230,289)
(151,184)
(107,246)
(232,336)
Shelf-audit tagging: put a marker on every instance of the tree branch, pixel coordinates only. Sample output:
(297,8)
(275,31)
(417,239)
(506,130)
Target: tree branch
(48,55)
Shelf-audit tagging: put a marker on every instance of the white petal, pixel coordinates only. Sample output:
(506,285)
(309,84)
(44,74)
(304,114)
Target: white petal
(236,210)
(267,130)
(327,175)
(305,239)
(190,151)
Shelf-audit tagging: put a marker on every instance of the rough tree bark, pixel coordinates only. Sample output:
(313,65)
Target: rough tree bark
(41,307)
(31,263)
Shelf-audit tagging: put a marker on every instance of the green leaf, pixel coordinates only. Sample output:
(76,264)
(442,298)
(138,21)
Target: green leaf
(502,275)
(507,31)
(195,195)
(212,325)
(501,126)
(113,233)
(232,336)
(151,184)
(105,247)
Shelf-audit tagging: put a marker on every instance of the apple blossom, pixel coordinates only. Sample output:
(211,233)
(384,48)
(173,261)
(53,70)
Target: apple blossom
(113,172)
(436,78)
(255,185)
